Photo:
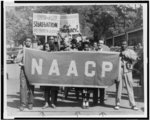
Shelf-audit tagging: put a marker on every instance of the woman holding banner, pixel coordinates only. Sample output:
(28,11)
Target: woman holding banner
(51,91)
(46,88)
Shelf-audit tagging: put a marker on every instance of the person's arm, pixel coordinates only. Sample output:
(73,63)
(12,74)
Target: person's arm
(81,36)
(130,54)
(19,57)
(60,36)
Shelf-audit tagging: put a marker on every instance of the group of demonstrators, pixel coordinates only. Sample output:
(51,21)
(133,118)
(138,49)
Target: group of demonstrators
(127,56)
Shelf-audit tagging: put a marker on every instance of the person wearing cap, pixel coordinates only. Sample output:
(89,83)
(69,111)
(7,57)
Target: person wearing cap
(101,47)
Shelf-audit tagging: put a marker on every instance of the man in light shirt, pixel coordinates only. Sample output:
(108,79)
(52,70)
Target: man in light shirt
(128,57)
(26,90)
(101,47)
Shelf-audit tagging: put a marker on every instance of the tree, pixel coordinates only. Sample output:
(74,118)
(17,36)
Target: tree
(18,23)
(101,20)
(98,21)
(128,17)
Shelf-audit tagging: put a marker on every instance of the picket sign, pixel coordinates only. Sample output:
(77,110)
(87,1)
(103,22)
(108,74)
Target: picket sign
(46,24)
(51,24)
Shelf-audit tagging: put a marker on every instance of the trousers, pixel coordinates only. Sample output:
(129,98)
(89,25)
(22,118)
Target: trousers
(86,94)
(101,95)
(127,77)
(26,90)
(51,92)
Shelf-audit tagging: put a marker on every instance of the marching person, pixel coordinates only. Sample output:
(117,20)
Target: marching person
(74,45)
(101,47)
(95,47)
(86,91)
(80,46)
(53,43)
(46,88)
(50,91)
(26,90)
(73,48)
(128,57)
(54,89)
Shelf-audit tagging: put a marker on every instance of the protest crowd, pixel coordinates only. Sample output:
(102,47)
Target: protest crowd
(71,43)
(61,38)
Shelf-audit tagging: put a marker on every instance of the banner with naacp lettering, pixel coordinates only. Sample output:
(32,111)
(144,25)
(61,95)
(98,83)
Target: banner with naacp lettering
(72,69)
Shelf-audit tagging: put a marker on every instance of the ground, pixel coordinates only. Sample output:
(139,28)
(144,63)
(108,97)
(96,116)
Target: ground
(69,107)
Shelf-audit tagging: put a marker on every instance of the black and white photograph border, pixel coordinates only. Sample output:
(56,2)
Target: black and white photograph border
(70,107)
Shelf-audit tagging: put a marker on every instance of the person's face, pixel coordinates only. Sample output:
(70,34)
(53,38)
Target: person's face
(124,45)
(73,45)
(100,45)
(47,48)
(86,47)
(51,40)
(55,40)
(79,44)
(28,42)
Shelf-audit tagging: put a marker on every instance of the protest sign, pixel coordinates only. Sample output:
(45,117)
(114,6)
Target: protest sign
(70,23)
(78,69)
(46,24)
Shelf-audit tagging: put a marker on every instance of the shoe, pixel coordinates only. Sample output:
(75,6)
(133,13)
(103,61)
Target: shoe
(22,107)
(87,104)
(102,103)
(117,107)
(134,108)
(53,106)
(95,103)
(30,106)
(83,105)
(45,106)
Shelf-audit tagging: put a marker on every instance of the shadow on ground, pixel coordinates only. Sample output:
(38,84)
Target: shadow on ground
(138,94)
(71,99)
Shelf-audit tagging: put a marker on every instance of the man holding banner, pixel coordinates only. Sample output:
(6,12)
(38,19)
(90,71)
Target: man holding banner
(26,90)
(101,47)
(128,57)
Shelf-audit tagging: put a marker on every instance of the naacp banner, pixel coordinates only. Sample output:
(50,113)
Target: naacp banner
(72,69)
(46,24)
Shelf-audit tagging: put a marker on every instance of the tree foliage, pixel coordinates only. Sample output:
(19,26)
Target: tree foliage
(98,21)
